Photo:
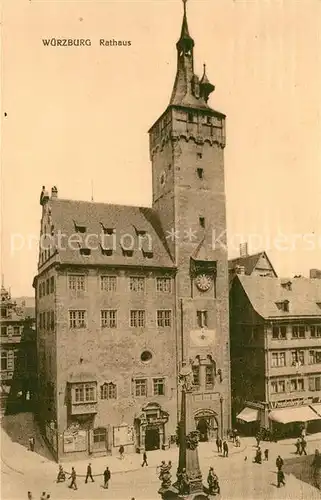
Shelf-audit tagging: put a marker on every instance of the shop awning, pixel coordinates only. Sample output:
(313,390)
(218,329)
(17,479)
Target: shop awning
(297,414)
(317,408)
(248,415)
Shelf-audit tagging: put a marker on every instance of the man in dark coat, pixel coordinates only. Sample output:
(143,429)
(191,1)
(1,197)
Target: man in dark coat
(279,462)
(280,475)
(219,444)
(225,449)
(73,478)
(144,459)
(106,477)
(89,474)
(303,447)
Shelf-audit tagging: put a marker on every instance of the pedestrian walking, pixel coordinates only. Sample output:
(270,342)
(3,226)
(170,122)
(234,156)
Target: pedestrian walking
(298,447)
(280,476)
(225,449)
(303,447)
(107,476)
(121,452)
(73,478)
(258,440)
(219,444)
(89,474)
(29,495)
(43,496)
(32,443)
(258,456)
(237,441)
(144,459)
(266,454)
(279,462)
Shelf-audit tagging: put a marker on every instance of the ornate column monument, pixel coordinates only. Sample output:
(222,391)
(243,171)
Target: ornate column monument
(189,485)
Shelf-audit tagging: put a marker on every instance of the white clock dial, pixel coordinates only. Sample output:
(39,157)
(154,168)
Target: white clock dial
(203,282)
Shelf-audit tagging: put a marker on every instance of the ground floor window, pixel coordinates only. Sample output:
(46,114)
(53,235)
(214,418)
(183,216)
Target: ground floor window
(100,438)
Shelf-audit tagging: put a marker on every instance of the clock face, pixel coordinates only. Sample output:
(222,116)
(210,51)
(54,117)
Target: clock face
(203,282)
(202,337)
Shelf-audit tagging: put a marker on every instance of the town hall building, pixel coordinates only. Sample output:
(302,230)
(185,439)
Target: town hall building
(136,291)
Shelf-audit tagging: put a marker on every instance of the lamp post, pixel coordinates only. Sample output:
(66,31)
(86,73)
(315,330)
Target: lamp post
(189,485)
(221,407)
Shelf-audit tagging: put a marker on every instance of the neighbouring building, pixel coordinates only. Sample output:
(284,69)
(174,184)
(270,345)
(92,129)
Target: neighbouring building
(18,355)
(257,264)
(275,329)
(138,291)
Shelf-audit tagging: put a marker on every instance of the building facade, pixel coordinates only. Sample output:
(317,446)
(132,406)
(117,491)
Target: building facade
(257,264)
(139,291)
(276,353)
(18,355)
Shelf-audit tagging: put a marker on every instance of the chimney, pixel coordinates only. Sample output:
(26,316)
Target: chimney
(54,192)
(243,250)
(315,274)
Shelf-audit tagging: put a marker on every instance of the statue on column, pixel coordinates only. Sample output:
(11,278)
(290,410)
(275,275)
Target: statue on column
(186,376)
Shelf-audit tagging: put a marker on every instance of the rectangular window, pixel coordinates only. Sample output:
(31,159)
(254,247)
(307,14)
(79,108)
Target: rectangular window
(109,318)
(279,332)
(100,435)
(196,375)
(317,383)
(159,387)
(47,287)
(311,384)
(200,173)
(278,359)
(85,393)
(274,387)
(164,318)
(4,331)
(202,221)
(314,357)
(4,360)
(16,330)
(137,318)
(52,284)
(300,384)
(77,319)
(136,284)
(201,319)
(76,282)
(293,385)
(141,387)
(48,320)
(301,358)
(298,332)
(4,312)
(52,320)
(209,377)
(315,331)
(164,285)
(108,283)
(108,391)
(40,290)
(281,386)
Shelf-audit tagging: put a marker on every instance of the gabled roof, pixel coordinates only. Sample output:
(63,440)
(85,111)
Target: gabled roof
(249,262)
(124,220)
(265,292)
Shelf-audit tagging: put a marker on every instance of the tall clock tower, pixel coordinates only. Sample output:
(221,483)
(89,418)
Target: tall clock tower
(187,153)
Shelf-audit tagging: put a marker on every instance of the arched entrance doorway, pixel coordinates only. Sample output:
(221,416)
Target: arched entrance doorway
(150,428)
(206,424)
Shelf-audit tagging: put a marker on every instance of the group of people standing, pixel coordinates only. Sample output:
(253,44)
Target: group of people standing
(61,477)
(300,446)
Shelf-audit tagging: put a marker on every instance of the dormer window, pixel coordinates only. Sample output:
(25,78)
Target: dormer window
(140,231)
(80,227)
(287,285)
(108,229)
(85,251)
(127,251)
(283,306)
(146,246)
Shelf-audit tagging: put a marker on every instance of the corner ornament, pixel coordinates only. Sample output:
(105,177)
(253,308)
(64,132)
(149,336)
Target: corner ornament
(192,440)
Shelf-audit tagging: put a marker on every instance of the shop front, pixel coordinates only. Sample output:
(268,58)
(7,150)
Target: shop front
(288,420)
(150,426)
(252,417)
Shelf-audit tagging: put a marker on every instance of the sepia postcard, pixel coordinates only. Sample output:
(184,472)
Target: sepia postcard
(160,249)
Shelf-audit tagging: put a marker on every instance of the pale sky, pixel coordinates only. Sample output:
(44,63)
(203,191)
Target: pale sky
(81,114)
